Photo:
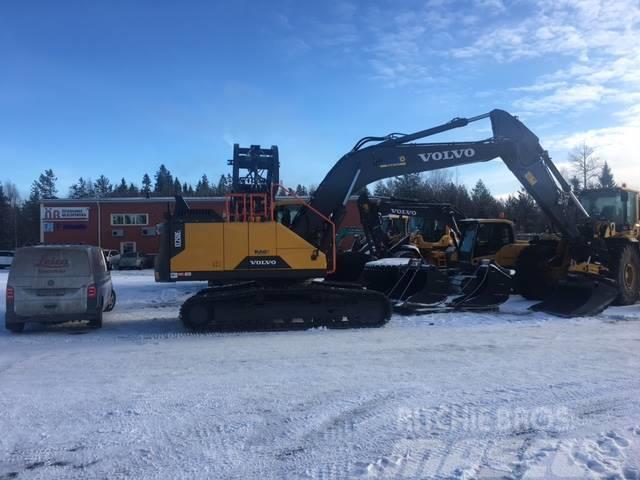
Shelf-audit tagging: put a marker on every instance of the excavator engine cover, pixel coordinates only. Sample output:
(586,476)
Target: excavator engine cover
(579,295)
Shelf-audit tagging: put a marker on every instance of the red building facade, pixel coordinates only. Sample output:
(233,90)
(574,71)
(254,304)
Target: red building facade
(130,224)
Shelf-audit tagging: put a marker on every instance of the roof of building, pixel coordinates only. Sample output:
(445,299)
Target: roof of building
(76,201)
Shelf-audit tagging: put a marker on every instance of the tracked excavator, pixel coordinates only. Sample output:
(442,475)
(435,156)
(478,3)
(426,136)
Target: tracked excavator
(266,259)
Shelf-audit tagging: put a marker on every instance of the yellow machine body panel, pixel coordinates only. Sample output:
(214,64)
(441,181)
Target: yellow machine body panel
(204,248)
(508,255)
(236,245)
(239,246)
(262,238)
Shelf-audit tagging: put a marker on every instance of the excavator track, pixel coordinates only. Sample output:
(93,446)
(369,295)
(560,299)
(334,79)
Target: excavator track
(252,306)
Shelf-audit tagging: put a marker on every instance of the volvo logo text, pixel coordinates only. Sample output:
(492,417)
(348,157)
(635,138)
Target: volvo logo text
(402,211)
(263,262)
(447,155)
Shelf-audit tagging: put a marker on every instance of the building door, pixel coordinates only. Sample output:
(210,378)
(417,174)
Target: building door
(126,247)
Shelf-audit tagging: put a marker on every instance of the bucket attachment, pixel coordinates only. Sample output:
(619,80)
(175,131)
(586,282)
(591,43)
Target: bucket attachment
(421,285)
(579,295)
(407,281)
(418,286)
(349,266)
(488,288)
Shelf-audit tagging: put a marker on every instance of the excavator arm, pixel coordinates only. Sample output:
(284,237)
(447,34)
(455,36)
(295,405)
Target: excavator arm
(377,158)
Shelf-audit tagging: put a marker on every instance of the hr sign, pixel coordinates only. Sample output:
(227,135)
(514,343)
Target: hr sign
(61,214)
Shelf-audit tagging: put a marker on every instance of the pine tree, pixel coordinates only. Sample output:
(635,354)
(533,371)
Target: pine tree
(301,191)
(13,198)
(202,187)
(484,205)
(177,187)
(146,185)
(223,185)
(133,190)
(102,187)
(6,221)
(164,182)
(575,183)
(408,186)
(606,177)
(29,218)
(45,185)
(383,189)
(83,188)
(122,190)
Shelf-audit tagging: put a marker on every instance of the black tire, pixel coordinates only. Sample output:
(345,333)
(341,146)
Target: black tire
(533,277)
(96,321)
(112,301)
(626,271)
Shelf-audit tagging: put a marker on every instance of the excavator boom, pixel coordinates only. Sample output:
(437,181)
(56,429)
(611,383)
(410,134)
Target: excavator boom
(392,156)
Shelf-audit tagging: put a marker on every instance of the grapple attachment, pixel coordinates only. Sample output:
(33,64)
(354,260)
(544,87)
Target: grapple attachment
(489,287)
(407,281)
(579,295)
(415,285)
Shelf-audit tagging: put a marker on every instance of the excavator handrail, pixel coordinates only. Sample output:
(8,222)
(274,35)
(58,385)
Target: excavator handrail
(302,201)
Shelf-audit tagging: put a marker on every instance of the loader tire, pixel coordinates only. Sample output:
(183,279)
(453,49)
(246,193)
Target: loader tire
(533,279)
(626,271)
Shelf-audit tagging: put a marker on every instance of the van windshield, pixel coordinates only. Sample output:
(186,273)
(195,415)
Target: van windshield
(50,262)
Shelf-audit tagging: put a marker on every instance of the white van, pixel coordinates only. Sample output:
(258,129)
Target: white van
(58,283)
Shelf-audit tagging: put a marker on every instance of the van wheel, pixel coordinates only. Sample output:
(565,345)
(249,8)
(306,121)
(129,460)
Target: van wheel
(112,301)
(15,327)
(96,321)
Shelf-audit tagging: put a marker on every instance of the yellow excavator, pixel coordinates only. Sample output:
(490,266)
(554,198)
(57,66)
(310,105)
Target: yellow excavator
(267,256)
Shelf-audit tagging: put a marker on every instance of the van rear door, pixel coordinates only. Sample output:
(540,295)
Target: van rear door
(50,281)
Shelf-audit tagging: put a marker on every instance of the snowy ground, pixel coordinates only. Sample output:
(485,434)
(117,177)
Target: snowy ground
(509,395)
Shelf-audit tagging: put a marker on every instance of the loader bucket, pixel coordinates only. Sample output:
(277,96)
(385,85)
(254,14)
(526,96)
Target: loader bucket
(490,287)
(580,295)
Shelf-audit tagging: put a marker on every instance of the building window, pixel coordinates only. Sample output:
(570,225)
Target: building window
(127,247)
(129,219)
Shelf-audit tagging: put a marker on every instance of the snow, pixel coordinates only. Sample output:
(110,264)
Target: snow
(503,395)
(390,262)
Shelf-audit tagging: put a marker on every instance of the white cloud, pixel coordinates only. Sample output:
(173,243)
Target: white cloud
(580,96)
(539,87)
(616,144)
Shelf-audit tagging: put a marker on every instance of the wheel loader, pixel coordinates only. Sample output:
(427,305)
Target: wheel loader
(267,260)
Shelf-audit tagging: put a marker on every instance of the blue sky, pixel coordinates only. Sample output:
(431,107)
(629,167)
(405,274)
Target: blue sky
(119,87)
